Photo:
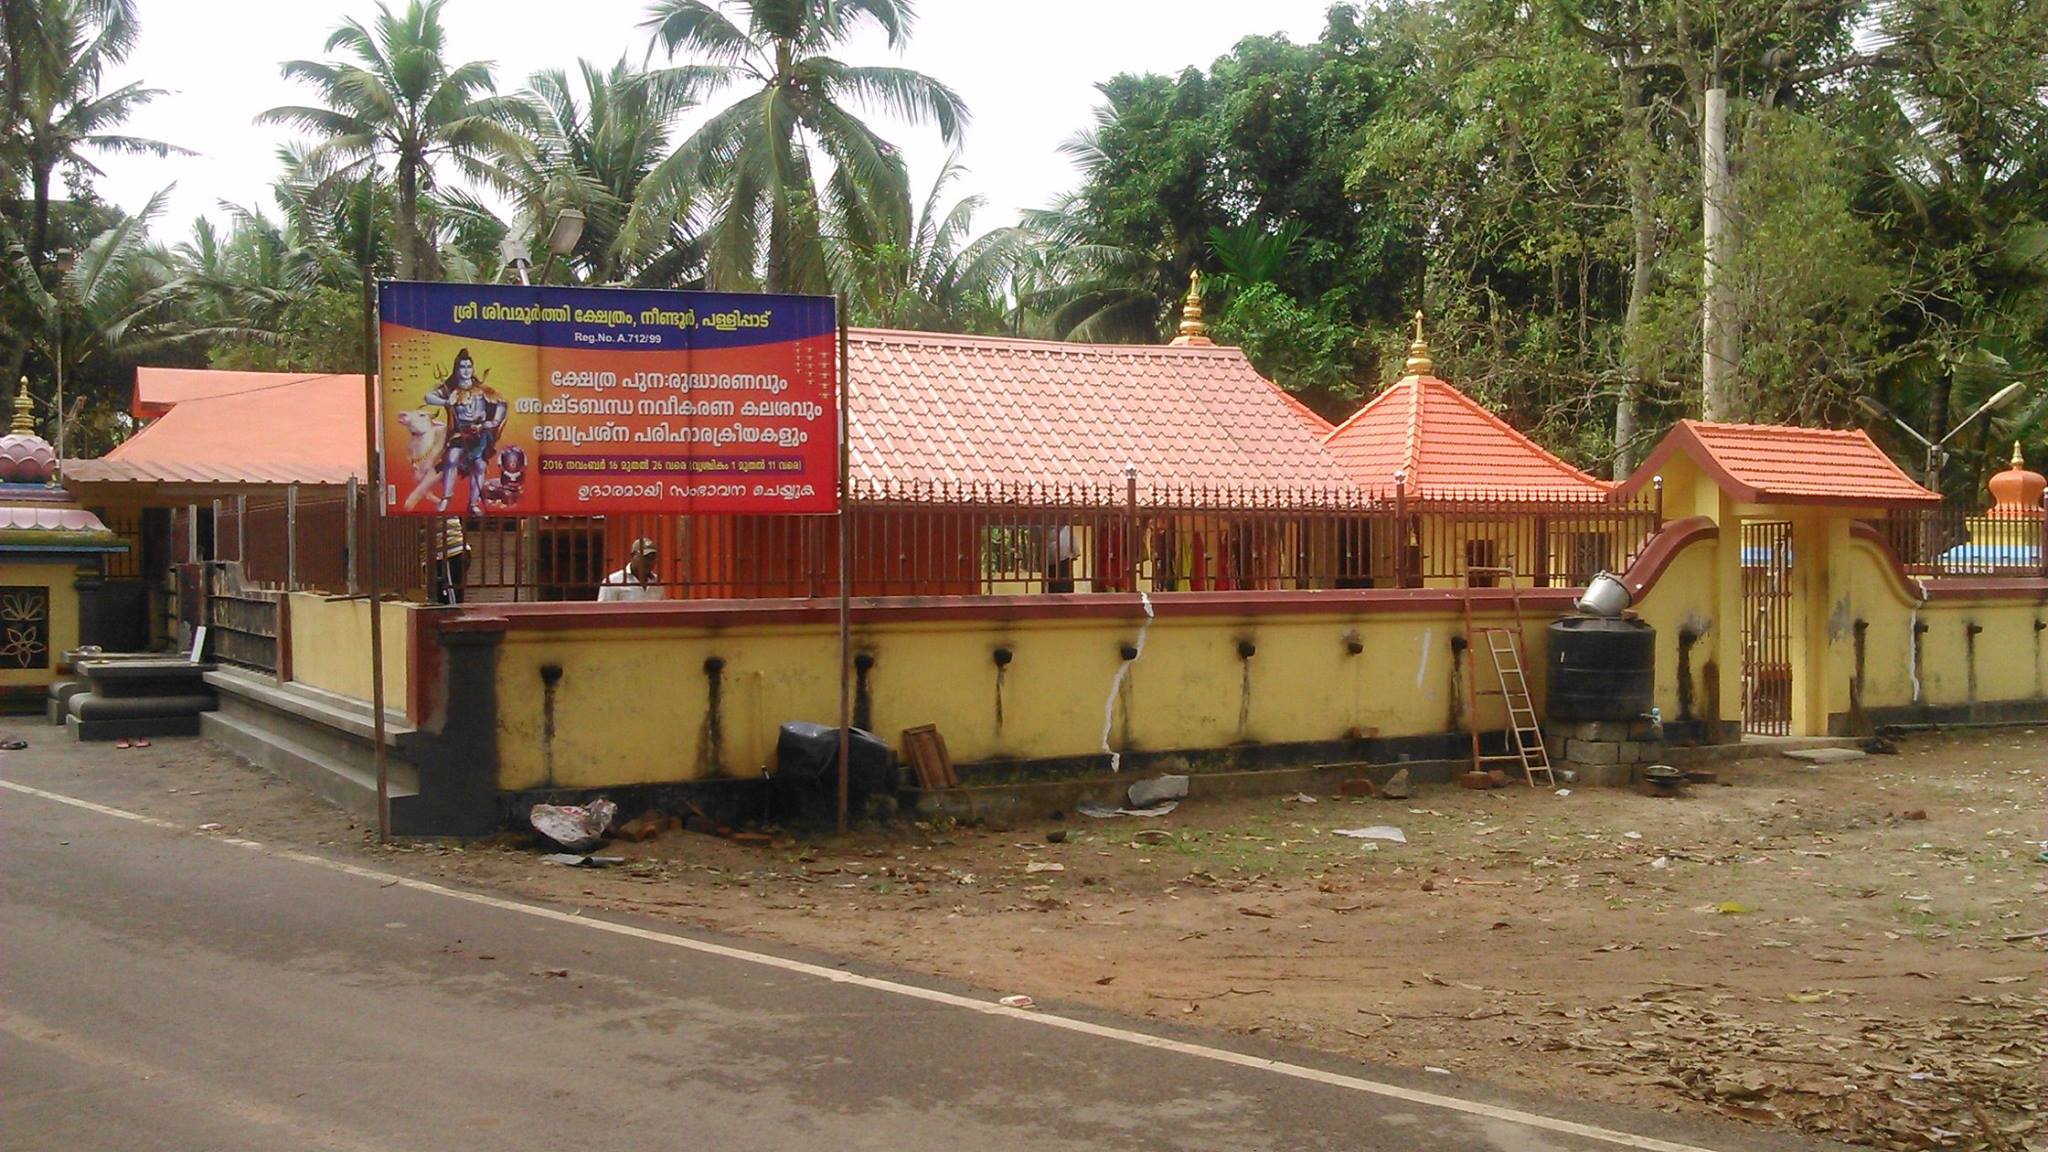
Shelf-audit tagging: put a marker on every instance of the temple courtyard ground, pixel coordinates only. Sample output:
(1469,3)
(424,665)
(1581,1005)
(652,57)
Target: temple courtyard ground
(1857,951)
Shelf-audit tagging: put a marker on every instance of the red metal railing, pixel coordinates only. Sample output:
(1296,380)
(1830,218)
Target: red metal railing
(318,539)
(964,540)
(1956,541)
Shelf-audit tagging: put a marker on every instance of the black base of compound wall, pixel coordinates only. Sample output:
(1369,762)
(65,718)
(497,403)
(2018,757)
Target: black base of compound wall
(1430,759)
(1982,712)
(736,803)
(1385,751)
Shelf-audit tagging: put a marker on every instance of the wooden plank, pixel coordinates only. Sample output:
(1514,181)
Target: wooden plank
(925,749)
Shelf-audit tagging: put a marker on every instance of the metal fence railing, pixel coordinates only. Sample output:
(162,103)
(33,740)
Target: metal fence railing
(1957,541)
(319,539)
(950,540)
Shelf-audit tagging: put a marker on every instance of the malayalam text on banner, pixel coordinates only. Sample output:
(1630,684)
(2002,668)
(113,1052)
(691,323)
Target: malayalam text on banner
(511,401)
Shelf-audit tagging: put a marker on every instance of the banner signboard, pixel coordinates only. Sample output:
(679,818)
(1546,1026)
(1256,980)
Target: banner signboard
(511,401)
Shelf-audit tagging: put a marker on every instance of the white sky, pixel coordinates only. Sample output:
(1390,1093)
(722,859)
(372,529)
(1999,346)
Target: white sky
(1026,70)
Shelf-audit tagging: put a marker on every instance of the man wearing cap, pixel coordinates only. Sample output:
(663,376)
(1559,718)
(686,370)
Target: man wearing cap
(636,580)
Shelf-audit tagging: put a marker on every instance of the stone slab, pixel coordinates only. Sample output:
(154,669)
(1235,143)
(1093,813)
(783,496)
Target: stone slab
(1824,755)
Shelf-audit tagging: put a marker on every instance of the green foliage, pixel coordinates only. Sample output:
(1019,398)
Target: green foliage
(748,174)
(1309,350)
(319,331)
(1528,173)
(394,96)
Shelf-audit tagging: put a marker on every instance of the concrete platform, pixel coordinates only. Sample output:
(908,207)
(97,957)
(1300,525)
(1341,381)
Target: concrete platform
(317,740)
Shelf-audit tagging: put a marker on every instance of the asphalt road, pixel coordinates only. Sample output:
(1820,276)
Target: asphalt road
(164,988)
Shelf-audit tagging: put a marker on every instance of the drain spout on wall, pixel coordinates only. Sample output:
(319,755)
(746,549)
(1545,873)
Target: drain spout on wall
(550,676)
(1130,654)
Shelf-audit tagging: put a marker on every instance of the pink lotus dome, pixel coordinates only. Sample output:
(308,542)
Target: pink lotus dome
(25,458)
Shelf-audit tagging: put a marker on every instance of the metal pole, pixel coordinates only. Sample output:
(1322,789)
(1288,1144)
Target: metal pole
(1131,526)
(291,538)
(355,504)
(57,475)
(242,530)
(1400,530)
(2041,537)
(373,469)
(845,580)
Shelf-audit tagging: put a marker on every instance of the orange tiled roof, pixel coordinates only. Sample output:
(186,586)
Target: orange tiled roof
(1447,444)
(943,409)
(927,409)
(158,390)
(1771,464)
(254,428)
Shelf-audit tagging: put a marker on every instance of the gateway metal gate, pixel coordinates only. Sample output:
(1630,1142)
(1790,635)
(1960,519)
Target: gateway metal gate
(1767,628)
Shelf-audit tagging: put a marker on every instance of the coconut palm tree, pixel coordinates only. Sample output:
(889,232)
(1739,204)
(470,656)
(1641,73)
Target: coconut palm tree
(119,299)
(593,150)
(929,273)
(396,94)
(56,60)
(768,211)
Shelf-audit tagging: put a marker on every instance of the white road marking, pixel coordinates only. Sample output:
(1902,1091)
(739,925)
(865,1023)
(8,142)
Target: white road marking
(912,991)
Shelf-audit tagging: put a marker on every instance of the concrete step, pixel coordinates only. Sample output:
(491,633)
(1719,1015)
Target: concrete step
(328,709)
(341,783)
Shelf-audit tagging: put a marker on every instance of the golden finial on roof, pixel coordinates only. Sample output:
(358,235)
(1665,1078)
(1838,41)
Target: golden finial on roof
(1192,329)
(24,412)
(2018,461)
(1419,362)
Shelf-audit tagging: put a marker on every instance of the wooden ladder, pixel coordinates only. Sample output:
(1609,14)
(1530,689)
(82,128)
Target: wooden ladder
(1504,647)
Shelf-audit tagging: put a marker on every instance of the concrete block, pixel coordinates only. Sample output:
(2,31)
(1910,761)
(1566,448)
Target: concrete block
(1641,752)
(1605,775)
(1592,752)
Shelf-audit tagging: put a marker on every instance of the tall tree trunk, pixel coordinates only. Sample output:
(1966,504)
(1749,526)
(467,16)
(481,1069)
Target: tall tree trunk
(1720,351)
(407,219)
(1635,355)
(1585,315)
(39,222)
(778,244)
(1937,419)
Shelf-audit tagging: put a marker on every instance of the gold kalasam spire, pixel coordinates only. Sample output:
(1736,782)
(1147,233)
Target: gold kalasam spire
(24,412)
(1192,328)
(1419,362)
(2018,461)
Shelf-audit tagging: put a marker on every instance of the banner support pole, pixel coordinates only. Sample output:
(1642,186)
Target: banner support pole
(845,584)
(375,488)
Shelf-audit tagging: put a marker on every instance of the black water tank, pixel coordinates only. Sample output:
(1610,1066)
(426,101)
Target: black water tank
(1601,668)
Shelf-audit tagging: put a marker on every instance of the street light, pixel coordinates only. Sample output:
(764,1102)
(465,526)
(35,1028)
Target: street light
(513,258)
(562,238)
(1936,456)
(65,260)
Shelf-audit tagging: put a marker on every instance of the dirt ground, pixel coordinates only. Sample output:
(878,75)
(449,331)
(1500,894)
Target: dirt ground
(1843,951)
